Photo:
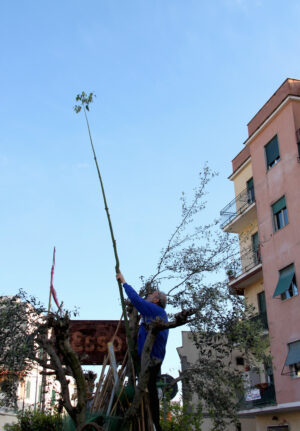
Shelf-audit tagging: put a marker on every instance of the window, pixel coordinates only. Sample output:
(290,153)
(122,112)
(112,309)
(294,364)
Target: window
(239,360)
(262,310)
(40,393)
(255,248)
(269,374)
(280,215)
(272,152)
(295,369)
(298,142)
(261,299)
(250,191)
(286,286)
(53,397)
(292,290)
(293,358)
(28,389)
(278,428)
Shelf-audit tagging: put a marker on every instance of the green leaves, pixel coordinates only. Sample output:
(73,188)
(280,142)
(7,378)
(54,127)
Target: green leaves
(85,101)
(18,320)
(179,417)
(36,421)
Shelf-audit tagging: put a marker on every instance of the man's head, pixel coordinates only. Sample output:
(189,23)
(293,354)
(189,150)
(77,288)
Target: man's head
(157,297)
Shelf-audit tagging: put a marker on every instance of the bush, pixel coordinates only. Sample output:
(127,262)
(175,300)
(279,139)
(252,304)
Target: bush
(179,418)
(36,421)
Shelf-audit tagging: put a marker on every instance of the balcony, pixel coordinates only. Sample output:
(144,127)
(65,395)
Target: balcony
(240,212)
(263,319)
(245,271)
(261,395)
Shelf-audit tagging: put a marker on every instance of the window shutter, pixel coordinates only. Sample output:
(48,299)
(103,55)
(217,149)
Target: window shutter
(285,279)
(279,205)
(262,302)
(40,393)
(250,184)
(294,353)
(272,150)
(255,242)
(28,389)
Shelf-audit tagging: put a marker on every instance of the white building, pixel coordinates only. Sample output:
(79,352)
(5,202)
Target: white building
(30,392)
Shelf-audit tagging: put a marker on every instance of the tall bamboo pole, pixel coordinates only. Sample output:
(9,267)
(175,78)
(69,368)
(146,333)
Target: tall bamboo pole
(85,101)
(44,378)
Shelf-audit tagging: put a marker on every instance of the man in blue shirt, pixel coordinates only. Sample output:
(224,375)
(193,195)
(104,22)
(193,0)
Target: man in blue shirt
(150,308)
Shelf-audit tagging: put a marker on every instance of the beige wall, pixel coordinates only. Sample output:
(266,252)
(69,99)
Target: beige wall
(248,424)
(240,181)
(245,235)
(290,418)
(245,240)
(252,291)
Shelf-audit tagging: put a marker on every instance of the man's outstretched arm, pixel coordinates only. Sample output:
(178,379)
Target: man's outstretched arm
(146,308)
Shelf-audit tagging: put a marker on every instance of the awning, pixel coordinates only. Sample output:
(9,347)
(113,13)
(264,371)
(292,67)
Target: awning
(279,205)
(285,280)
(294,353)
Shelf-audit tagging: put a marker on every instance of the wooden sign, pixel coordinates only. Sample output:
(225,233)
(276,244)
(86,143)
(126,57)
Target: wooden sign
(89,339)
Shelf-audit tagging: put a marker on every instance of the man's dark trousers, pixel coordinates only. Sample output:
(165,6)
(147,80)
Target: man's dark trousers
(153,395)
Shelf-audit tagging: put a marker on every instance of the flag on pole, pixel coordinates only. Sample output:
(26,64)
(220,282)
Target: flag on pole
(53,292)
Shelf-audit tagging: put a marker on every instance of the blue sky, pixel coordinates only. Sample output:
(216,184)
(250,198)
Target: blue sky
(176,84)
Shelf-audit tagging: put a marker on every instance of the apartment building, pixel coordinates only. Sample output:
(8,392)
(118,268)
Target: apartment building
(265,214)
(189,355)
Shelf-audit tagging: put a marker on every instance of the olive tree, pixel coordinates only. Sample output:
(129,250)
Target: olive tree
(191,269)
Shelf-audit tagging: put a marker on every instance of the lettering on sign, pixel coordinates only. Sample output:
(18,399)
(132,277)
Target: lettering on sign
(89,339)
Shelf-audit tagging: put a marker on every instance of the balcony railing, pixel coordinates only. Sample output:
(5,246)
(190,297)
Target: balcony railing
(237,206)
(262,318)
(258,396)
(248,260)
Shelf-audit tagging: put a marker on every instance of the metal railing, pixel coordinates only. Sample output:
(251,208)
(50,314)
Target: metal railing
(267,396)
(248,260)
(237,206)
(262,318)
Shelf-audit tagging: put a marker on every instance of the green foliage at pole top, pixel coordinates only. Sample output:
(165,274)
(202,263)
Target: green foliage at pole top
(85,101)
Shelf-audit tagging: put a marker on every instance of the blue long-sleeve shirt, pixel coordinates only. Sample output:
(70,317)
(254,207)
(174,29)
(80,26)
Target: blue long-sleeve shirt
(149,312)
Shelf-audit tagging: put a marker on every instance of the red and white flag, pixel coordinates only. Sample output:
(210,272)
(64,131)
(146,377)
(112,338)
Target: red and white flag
(53,292)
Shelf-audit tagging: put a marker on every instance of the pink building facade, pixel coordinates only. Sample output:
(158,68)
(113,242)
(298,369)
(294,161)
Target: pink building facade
(268,171)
